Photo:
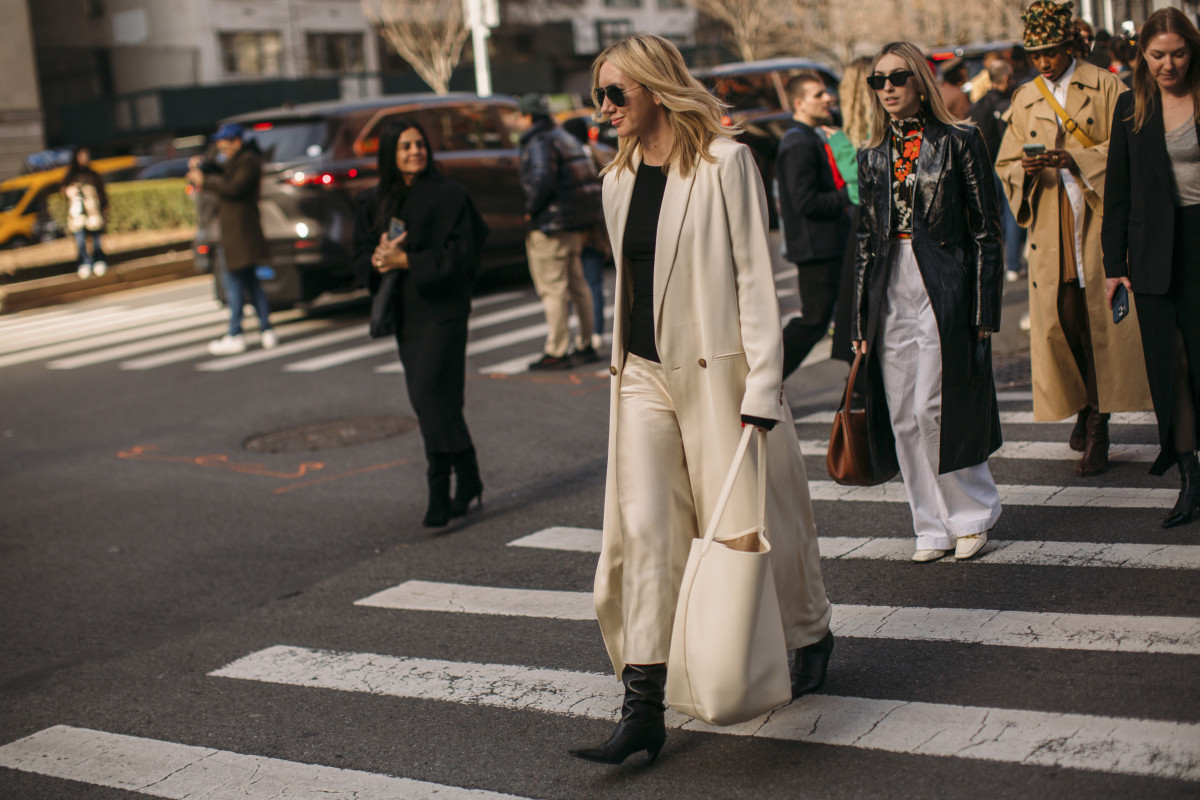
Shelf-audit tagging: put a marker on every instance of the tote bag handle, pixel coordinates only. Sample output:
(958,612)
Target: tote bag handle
(723,498)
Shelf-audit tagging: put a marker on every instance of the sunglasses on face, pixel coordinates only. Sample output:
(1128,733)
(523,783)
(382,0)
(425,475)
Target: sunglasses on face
(614,93)
(898,79)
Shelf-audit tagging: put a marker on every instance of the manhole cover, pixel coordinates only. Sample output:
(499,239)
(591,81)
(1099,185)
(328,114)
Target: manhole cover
(329,435)
(1012,369)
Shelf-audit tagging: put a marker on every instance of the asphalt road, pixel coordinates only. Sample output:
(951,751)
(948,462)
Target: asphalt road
(184,617)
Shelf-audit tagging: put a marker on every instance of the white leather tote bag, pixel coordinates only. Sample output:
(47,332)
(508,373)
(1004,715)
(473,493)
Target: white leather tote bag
(728,659)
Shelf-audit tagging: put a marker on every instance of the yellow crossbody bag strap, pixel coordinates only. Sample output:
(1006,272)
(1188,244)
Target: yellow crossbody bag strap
(1070,125)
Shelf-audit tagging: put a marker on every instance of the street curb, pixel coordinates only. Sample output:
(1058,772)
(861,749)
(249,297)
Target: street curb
(43,292)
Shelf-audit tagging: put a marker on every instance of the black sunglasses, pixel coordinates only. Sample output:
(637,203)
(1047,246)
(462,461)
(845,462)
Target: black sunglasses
(898,79)
(614,93)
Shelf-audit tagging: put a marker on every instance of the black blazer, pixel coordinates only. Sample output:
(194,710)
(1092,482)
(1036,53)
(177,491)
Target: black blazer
(811,209)
(1138,233)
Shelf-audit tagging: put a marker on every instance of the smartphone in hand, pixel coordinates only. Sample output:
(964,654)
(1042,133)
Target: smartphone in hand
(1034,150)
(396,228)
(1120,303)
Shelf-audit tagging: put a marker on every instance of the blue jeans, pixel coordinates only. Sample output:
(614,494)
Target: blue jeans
(1014,234)
(97,253)
(593,273)
(240,285)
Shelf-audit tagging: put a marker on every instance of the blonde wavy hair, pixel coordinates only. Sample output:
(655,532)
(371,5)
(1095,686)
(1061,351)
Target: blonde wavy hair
(695,116)
(857,101)
(931,97)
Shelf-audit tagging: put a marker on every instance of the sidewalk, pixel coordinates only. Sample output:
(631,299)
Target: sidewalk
(44,274)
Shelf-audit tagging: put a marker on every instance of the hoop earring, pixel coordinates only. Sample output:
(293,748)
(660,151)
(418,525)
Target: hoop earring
(922,98)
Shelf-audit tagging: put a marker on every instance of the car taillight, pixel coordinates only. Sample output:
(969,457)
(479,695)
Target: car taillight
(318,178)
(202,249)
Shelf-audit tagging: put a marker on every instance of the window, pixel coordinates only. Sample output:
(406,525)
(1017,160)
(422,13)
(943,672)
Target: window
(611,31)
(464,128)
(334,52)
(252,53)
(622,3)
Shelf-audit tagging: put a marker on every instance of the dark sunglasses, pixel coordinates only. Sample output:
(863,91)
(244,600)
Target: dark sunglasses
(614,93)
(898,79)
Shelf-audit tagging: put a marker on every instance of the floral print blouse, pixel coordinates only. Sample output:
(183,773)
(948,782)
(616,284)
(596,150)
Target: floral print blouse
(906,147)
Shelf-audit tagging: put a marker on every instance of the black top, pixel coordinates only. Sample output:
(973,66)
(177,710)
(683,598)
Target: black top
(641,231)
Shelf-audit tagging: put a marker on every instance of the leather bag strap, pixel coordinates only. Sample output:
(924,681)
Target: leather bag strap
(850,381)
(1069,124)
(727,489)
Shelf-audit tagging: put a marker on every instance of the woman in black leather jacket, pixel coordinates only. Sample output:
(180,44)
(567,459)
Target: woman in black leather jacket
(928,277)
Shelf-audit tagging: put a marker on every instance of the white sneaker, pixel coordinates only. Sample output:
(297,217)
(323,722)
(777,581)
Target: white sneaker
(597,341)
(99,268)
(227,345)
(922,556)
(1024,323)
(269,340)
(1012,276)
(84,271)
(967,546)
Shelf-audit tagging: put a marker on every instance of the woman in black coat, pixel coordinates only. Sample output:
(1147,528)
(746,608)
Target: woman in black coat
(1151,234)
(421,281)
(928,278)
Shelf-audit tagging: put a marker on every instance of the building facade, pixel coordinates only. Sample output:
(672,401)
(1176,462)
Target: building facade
(21,128)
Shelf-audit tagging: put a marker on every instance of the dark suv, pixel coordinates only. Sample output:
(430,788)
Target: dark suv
(318,157)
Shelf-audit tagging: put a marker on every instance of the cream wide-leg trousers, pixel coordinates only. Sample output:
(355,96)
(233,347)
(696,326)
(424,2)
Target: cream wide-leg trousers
(944,507)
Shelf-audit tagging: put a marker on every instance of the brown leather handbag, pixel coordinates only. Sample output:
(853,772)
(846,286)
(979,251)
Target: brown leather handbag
(849,457)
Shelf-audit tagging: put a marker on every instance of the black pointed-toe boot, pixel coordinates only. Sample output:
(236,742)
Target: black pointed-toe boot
(1188,504)
(810,666)
(438,475)
(1079,432)
(641,726)
(468,485)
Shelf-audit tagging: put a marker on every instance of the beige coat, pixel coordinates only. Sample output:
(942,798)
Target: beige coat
(1058,388)
(718,335)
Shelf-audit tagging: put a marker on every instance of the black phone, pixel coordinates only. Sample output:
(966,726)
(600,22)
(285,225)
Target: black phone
(396,228)
(1120,303)
(1034,150)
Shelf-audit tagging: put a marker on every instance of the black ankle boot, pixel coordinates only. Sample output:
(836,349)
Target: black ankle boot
(810,666)
(641,726)
(438,475)
(1189,493)
(1079,432)
(468,485)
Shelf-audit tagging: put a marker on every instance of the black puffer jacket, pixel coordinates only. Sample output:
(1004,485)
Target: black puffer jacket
(562,190)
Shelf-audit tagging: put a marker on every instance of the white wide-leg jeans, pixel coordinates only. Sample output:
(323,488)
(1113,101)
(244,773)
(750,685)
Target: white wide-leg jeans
(944,507)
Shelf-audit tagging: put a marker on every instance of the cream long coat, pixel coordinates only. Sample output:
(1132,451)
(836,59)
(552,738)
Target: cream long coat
(1058,388)
(718,334)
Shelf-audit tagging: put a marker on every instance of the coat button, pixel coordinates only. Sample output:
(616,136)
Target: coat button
(703,363)
(1032,246)
(1033,133)
(612,370)
(1090,121)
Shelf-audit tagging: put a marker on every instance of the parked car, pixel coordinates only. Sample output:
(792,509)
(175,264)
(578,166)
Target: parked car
(24,217)
(167,168)
(972,54)
(317,158)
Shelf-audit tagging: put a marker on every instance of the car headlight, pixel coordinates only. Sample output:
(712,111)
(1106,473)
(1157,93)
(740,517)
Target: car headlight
(302,230)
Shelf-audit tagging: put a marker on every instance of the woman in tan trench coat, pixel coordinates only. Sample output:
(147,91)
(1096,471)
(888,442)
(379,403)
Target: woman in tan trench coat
(697,353)
(1061,373)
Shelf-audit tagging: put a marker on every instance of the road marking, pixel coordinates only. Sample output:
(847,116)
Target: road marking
(123,320)
(184,772)
(22,320)
(226,363)
(201,351)
(1012,495)
(55,319)
(1035,738)
(1037,451)
(489,344)
(1025,553)
(1018,418)
(513,366)
(1030,629)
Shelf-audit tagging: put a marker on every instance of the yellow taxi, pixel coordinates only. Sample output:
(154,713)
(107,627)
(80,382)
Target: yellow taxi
(23,199)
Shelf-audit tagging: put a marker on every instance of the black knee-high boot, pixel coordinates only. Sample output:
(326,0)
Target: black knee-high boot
(1189,494)
(438,475)
(468,485)
(641,726)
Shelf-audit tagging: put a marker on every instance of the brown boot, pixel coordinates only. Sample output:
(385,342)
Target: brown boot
(1095,448)
(1079,432)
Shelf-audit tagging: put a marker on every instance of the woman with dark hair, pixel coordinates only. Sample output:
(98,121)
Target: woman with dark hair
(1151,234)
(87,208)
(424,228)
(928,276)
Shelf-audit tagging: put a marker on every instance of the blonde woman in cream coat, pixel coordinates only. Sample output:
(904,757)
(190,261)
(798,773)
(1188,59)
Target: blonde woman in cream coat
(697,353)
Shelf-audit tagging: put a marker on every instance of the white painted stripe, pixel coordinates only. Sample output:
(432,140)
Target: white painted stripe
(186,772)
(1030,629)
(520,364)
(489,344)
(477,321)
(1036,738)
(42,319)
(1036,451)
(496,299)
(165,342)
(201,351)
(1012,495)
(340,357)
(115,337)
(118,322)
(1015,397)
(1027,553)
(513,366)
(1019,418)
(226,363)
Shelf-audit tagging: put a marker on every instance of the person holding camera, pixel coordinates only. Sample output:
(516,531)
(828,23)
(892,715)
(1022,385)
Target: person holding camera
(1052,164)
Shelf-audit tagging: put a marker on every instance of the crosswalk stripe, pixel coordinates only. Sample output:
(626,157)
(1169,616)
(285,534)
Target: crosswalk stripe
(1026,553)
(33,319)
(1032,629)
(496,299)
(226,363)
(185,772)
(489,344)
(52,320)
(1012,495)
(1018,418)
(115,337)
(132,319)
(1035,451)
(193,352)
(1075,741)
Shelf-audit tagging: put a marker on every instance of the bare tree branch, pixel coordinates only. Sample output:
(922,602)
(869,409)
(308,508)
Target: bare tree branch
(428,34)
(755,26)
